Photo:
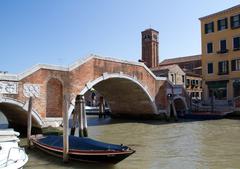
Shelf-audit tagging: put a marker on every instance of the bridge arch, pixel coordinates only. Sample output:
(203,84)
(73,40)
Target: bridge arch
(16,112)
(125,94)
(180,104)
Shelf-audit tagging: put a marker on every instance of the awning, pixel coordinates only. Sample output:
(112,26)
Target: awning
(217,84)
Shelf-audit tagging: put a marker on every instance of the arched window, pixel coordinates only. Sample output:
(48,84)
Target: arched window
(54,98)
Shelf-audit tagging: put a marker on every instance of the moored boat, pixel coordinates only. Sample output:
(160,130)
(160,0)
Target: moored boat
(83,149)
(204,116)
(11,155)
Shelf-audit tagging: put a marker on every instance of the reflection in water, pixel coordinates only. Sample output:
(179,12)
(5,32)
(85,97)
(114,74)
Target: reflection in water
(185,145)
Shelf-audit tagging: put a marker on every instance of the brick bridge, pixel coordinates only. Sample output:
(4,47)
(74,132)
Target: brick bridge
(130,88)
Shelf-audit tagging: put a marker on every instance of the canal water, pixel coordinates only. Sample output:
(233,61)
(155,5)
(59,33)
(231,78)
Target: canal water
(213,144)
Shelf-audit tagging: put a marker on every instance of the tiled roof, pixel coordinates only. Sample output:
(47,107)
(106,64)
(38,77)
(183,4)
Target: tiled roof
(193,74)
(167,67)
(180,60)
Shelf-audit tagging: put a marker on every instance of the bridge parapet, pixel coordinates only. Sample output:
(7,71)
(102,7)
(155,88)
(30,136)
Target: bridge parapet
(47,84)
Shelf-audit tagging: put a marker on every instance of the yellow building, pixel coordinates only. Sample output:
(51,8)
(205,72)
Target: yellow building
(220,33)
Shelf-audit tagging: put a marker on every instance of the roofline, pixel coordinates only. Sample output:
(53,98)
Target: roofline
(18,77)
(150,29)
(161,64)
(220,12)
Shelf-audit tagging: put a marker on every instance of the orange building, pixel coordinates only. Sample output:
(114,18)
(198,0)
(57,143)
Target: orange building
(220,33)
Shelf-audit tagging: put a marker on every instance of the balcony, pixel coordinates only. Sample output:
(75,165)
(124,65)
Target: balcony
(223,73)
(236,49)
(222,51)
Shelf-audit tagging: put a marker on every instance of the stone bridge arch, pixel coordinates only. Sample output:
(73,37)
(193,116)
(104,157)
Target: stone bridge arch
(16,111)
(125,94)
(180,104)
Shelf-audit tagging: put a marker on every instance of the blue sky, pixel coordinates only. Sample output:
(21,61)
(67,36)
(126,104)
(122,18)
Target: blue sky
(62,31)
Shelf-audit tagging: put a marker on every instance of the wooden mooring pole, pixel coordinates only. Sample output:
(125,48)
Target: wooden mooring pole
(101,107)
(78,110)
(29,126)
(65,130)
(84,117)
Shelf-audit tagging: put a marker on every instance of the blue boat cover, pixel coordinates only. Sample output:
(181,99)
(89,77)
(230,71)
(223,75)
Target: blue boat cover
(80,143)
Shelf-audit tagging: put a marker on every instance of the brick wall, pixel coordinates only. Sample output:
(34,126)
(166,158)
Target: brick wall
(54,98)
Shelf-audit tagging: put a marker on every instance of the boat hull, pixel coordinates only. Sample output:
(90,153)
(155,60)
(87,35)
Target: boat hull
(103,156)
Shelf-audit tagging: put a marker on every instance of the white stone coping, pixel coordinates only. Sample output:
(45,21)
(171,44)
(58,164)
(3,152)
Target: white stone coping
(9,77)
(13,77)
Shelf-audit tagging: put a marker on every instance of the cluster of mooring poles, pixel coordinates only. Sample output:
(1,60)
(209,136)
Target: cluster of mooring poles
(79,121)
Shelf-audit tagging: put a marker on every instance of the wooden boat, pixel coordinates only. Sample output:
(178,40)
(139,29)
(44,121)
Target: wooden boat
(83,149)
(204,116)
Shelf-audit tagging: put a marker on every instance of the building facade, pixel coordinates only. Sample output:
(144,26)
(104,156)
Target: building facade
(186,63)
(194,85)
(192,68)
(150,48)
(220,34)
(172,72)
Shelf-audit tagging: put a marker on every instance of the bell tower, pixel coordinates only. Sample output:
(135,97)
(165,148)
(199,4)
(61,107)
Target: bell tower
(150,47)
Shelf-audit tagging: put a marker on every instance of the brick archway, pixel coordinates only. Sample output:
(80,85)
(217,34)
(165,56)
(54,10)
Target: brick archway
(16,111)
(54,98)
(124,93)
(180,104)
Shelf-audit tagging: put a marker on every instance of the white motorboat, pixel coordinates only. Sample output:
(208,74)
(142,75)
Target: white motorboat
(11,155)
(3,121)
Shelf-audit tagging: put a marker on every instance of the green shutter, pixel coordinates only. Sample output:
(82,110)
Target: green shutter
(233,65)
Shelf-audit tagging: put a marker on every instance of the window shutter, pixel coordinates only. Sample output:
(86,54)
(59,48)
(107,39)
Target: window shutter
(206,29)
(231,21)
(226,22)
(219,67)
(219,26)
(227,67)
(233,63)
(212,26)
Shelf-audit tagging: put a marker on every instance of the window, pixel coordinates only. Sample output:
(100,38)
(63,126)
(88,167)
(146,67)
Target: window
(236,43)
(223,67)
(235,21)
(223,46)
(235,64)
(209,47)
(183,79)
(188,82)
(222,24)
(193,82)
(210,68)
(209,27)
(196,82)
(172,78)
